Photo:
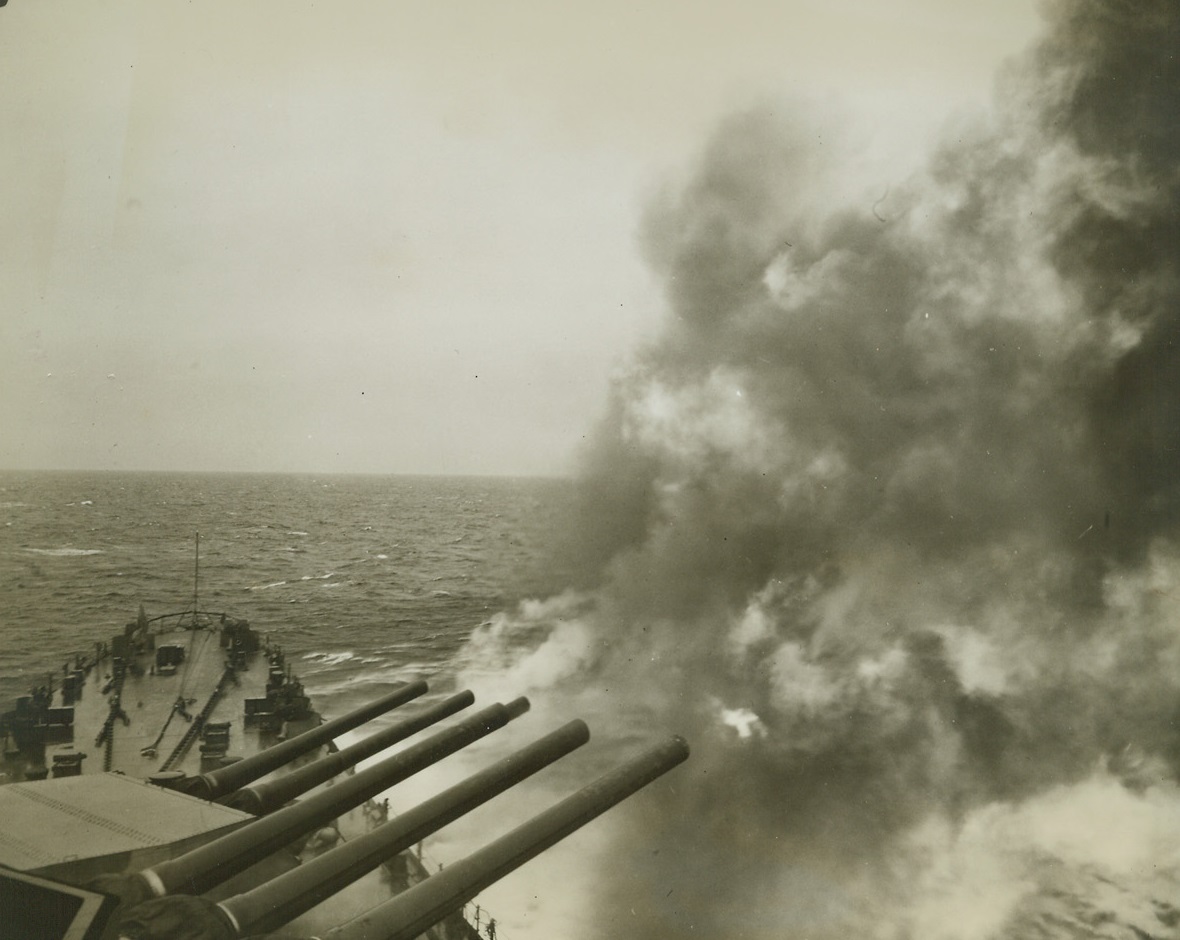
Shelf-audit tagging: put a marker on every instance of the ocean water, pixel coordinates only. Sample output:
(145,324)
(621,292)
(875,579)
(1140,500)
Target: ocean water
(363,579)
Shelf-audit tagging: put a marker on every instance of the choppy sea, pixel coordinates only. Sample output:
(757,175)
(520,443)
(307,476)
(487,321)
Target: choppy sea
(364,580)
(357,576)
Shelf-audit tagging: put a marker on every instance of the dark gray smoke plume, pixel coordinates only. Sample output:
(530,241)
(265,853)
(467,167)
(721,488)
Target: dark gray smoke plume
(886,522)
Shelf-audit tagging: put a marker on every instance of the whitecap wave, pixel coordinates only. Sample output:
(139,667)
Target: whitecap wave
(65,552)
(266,587)
(329,659)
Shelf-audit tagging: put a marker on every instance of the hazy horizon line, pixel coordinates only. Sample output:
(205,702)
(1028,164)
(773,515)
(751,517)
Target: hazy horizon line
(62,471)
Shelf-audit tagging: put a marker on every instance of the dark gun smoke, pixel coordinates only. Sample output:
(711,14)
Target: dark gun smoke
(886,521)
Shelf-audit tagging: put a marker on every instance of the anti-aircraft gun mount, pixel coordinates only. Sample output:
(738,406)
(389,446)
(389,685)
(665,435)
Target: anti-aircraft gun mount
(236,876)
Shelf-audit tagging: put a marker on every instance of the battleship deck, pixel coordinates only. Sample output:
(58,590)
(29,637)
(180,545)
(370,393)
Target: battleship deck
(160,698)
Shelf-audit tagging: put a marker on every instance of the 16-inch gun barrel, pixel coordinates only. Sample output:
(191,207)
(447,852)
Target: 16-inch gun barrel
(217,783)
(262,798)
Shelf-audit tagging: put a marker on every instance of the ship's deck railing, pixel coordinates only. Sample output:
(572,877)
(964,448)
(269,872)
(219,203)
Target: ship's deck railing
(479,917)
(487,927)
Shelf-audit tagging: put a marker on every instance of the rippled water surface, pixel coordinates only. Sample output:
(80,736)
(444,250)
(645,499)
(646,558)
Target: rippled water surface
(365,579)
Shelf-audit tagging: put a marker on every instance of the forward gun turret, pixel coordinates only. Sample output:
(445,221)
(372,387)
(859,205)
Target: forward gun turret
(407,915)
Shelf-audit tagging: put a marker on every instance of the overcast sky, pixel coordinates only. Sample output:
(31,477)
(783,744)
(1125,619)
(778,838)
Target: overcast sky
(377,236)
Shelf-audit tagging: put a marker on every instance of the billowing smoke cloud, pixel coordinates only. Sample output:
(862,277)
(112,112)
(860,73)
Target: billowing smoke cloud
(886,522)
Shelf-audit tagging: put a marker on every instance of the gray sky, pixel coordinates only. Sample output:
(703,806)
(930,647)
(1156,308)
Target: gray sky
(386,237)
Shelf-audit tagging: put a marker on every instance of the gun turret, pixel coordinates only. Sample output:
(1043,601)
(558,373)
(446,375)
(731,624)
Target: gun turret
(262,798)
(427,903)
(212,785)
